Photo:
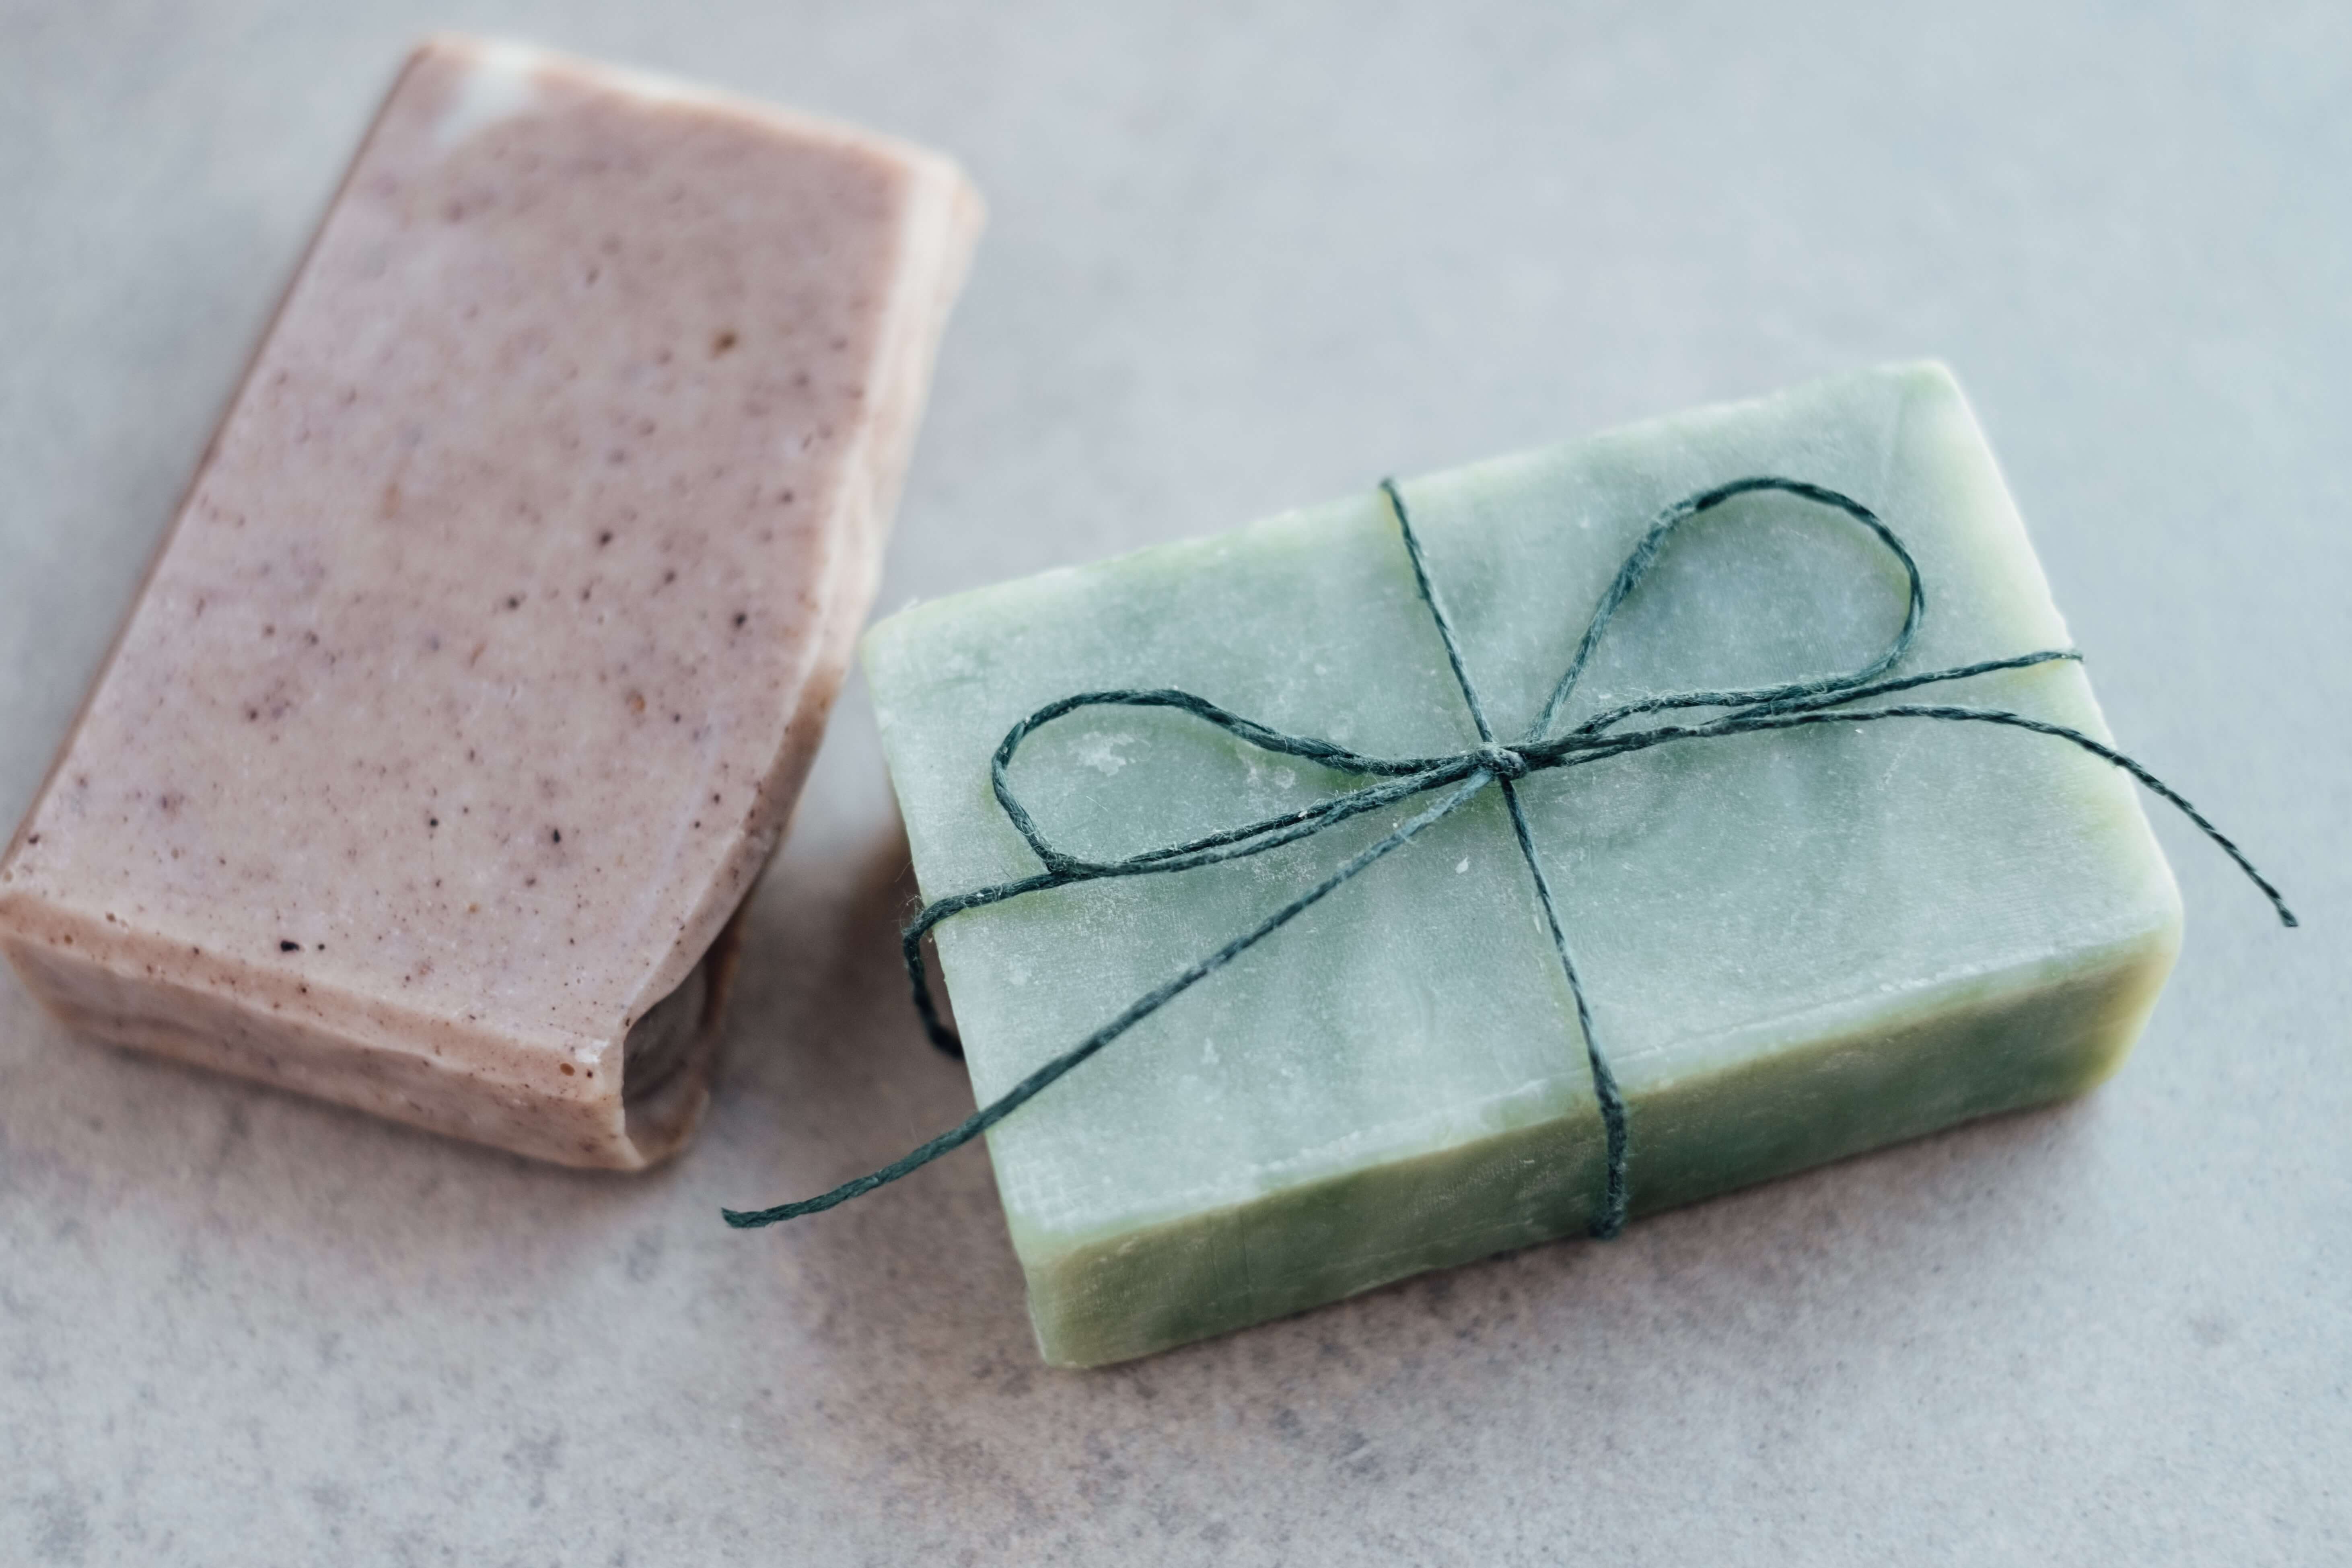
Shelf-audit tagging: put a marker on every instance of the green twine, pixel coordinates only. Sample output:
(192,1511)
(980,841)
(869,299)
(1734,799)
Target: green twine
(1462,775)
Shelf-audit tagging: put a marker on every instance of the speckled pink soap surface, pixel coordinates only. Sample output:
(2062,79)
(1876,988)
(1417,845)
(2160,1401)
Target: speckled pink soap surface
(472,685)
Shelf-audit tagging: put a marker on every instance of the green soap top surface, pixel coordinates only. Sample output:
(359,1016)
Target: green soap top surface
(1724,900)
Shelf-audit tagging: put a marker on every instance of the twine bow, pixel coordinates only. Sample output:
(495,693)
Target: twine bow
(1462,775)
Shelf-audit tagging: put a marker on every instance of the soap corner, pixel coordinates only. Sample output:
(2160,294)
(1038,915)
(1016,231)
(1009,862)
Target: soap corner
(1930,375)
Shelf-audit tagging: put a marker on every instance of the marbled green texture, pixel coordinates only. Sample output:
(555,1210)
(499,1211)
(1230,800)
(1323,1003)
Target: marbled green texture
(1797,945)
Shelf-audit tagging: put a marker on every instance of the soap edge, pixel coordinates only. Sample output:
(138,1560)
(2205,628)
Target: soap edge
(894,626)
(2152,949)
(176,518)
(2132,979)
(660,88)
(941,218)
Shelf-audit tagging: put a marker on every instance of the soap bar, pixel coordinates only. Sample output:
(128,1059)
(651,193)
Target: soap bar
(475,678)
(1796,944)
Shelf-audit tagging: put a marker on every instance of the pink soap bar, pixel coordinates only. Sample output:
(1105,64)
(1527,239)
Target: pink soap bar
(474,682)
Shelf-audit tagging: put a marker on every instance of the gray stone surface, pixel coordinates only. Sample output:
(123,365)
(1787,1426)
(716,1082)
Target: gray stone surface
(1242,258)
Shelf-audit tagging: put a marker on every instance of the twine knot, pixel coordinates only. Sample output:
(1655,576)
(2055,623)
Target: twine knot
(1503,762)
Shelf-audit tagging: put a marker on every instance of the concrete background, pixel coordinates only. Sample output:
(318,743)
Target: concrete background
(1244,258)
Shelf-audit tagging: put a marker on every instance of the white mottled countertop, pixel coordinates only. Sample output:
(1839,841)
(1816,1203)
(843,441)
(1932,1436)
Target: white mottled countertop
(1239,261)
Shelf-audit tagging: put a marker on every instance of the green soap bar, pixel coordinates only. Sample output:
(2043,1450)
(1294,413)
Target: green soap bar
(1797,945)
